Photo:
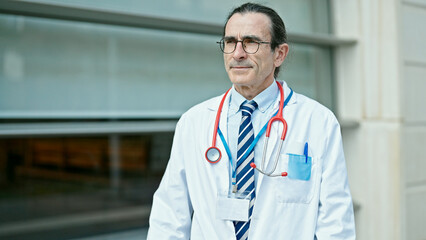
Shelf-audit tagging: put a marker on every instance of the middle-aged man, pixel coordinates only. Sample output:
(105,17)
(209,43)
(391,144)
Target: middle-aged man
(227,182)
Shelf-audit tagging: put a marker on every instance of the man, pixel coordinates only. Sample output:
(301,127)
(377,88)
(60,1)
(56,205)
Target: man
(233,194)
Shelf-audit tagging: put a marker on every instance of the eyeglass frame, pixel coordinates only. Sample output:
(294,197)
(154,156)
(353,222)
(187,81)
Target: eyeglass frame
(222,44)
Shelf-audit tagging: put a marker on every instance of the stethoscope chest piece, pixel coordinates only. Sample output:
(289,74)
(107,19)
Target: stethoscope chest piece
(213,155)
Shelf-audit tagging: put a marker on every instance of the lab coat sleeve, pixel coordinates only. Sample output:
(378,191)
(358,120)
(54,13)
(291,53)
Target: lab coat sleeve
(335,214)
(171,211)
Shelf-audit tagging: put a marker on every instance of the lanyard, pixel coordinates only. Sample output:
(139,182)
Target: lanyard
(253,144)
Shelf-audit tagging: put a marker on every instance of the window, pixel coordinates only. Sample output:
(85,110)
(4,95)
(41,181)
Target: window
(90,92)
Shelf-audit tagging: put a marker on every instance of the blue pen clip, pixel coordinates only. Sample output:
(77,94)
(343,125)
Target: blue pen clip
(305,152)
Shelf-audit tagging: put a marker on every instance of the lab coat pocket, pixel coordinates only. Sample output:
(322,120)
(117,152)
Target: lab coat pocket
(299,185)
(299,167)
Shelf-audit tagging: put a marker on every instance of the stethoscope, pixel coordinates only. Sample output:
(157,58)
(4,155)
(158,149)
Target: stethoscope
(213,154)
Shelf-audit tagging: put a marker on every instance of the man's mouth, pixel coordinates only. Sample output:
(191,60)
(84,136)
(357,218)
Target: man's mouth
(240,67)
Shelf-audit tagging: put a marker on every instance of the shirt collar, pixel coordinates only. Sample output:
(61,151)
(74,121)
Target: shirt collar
(264,100)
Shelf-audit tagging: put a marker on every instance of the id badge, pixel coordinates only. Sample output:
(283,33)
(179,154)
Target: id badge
(232,207)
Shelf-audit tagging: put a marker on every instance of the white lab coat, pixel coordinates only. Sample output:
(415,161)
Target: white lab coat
(184,205)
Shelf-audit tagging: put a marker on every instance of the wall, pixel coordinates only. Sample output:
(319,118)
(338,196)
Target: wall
(381,85)
(413,132)
(368,80)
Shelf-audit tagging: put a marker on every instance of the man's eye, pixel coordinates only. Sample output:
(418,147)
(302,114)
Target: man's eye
(248,41)
(230,41)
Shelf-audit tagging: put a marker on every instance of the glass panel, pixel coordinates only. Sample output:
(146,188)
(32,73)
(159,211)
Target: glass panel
(307,16)
(69,69)
(307,70)
(106,181)
(96,71)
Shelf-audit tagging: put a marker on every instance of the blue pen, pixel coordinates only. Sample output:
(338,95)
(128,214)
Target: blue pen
(305,152)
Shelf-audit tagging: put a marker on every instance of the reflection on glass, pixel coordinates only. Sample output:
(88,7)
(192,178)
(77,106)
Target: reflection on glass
(309,16)
(308,70)
(100,71)
(55,179)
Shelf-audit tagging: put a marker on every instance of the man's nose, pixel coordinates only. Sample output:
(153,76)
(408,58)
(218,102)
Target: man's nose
(239,52)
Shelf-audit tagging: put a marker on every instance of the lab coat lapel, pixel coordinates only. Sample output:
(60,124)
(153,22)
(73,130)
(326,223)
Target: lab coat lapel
(219,173)
(222,168)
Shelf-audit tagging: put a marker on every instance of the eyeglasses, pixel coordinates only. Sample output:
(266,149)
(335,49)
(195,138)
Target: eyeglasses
(250,45)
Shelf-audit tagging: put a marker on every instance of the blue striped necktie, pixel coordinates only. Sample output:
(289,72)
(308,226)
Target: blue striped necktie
(245,173)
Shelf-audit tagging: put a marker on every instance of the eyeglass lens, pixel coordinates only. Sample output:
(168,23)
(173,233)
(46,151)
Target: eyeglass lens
(229,45)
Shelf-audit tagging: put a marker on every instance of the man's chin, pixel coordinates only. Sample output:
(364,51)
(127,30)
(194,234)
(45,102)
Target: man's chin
(239,78)
(240,81)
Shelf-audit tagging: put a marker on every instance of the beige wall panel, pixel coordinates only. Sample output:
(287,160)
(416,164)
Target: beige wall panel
(370,41)
(413,92)
(419,3)
(414,34)
(368,73)
(413,143)
(374,175)
(416,212)
(345,15)
(348,64)
(389,60)
(352,145)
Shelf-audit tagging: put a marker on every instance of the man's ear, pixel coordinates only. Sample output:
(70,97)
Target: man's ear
(280,54)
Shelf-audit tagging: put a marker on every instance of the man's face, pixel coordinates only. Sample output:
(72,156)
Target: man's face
(250,71)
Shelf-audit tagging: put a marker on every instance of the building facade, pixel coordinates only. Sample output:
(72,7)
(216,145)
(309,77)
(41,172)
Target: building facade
(90,92)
